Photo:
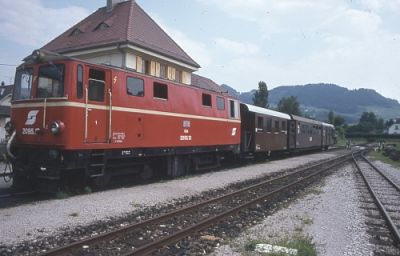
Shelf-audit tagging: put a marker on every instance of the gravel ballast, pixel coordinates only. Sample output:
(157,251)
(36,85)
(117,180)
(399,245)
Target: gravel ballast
(330,213)
(45,218)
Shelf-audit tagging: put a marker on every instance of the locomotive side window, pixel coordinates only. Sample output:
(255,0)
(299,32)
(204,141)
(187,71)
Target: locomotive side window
(96,85)
(160,91)
(23,84)
(51,81)
(220,103)
(79,82)
(135,86)
(206,99)
(233,109)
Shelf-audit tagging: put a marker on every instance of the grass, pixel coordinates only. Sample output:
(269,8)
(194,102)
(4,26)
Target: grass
(303,243)
(376,155)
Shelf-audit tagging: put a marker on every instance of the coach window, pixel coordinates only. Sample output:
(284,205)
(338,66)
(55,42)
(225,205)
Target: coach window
(260,123)
(276,126)
(284,126)
(135,86)
(269,125)
(160,91)
(79,82)
(220,103)
(96,85)
(206,99)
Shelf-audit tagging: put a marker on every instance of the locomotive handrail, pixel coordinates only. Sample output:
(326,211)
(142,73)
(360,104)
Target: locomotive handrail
(110,117)
(86,113)
(8,147)
(44,112)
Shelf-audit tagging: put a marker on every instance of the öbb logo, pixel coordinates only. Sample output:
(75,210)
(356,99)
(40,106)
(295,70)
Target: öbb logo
(31,118)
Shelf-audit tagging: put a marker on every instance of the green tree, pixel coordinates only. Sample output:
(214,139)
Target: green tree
(331,117)
(261,95)
(338,121)
(289,105)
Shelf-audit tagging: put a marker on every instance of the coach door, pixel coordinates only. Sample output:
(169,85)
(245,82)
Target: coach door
(97,105)
(292,135)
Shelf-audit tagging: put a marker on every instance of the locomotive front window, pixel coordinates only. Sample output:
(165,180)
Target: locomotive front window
(51,81)
(23,84)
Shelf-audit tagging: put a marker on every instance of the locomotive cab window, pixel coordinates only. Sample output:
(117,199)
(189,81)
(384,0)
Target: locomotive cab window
(23,84)
(135,86)
(51,81)
(96,85)
(206,99)
(160,91)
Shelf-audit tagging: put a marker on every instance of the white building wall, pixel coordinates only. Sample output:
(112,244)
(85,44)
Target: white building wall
(394,129)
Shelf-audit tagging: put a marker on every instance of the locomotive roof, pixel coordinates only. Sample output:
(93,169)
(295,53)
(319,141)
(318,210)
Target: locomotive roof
(266,111)
(206,83)
(127,23)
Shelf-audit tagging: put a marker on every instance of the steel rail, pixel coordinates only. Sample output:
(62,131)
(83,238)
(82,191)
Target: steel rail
(155,245)
(392,226)
(121,231)
(397,187)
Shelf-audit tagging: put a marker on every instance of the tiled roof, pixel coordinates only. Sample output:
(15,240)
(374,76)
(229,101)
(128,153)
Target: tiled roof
(206,83)
(126,23)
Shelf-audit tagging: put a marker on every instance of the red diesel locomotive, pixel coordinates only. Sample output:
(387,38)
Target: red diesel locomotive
(73,119)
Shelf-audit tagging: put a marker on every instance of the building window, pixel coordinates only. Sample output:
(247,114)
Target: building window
(160,91)
(102,26)
(220,103)
(206,99)
(76,32)
(135,86)
(79,82)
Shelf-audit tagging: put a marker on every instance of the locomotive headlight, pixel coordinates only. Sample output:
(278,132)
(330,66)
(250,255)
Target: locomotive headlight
(57,127)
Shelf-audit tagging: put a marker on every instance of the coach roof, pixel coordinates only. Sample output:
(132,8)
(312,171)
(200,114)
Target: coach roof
(266,111)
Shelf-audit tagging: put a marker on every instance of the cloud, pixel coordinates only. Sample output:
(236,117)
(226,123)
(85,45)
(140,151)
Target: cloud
(235,47)
(30,23)
(195,49)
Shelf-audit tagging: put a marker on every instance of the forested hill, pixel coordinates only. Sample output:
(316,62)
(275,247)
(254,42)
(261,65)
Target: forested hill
(318,99)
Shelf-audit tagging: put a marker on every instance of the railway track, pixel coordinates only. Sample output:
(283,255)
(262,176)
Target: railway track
(383,208)
(157,233)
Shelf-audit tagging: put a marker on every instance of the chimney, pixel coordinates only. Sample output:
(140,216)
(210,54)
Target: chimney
(111,3)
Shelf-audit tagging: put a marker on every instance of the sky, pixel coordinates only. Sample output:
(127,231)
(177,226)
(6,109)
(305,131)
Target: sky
(351,43)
